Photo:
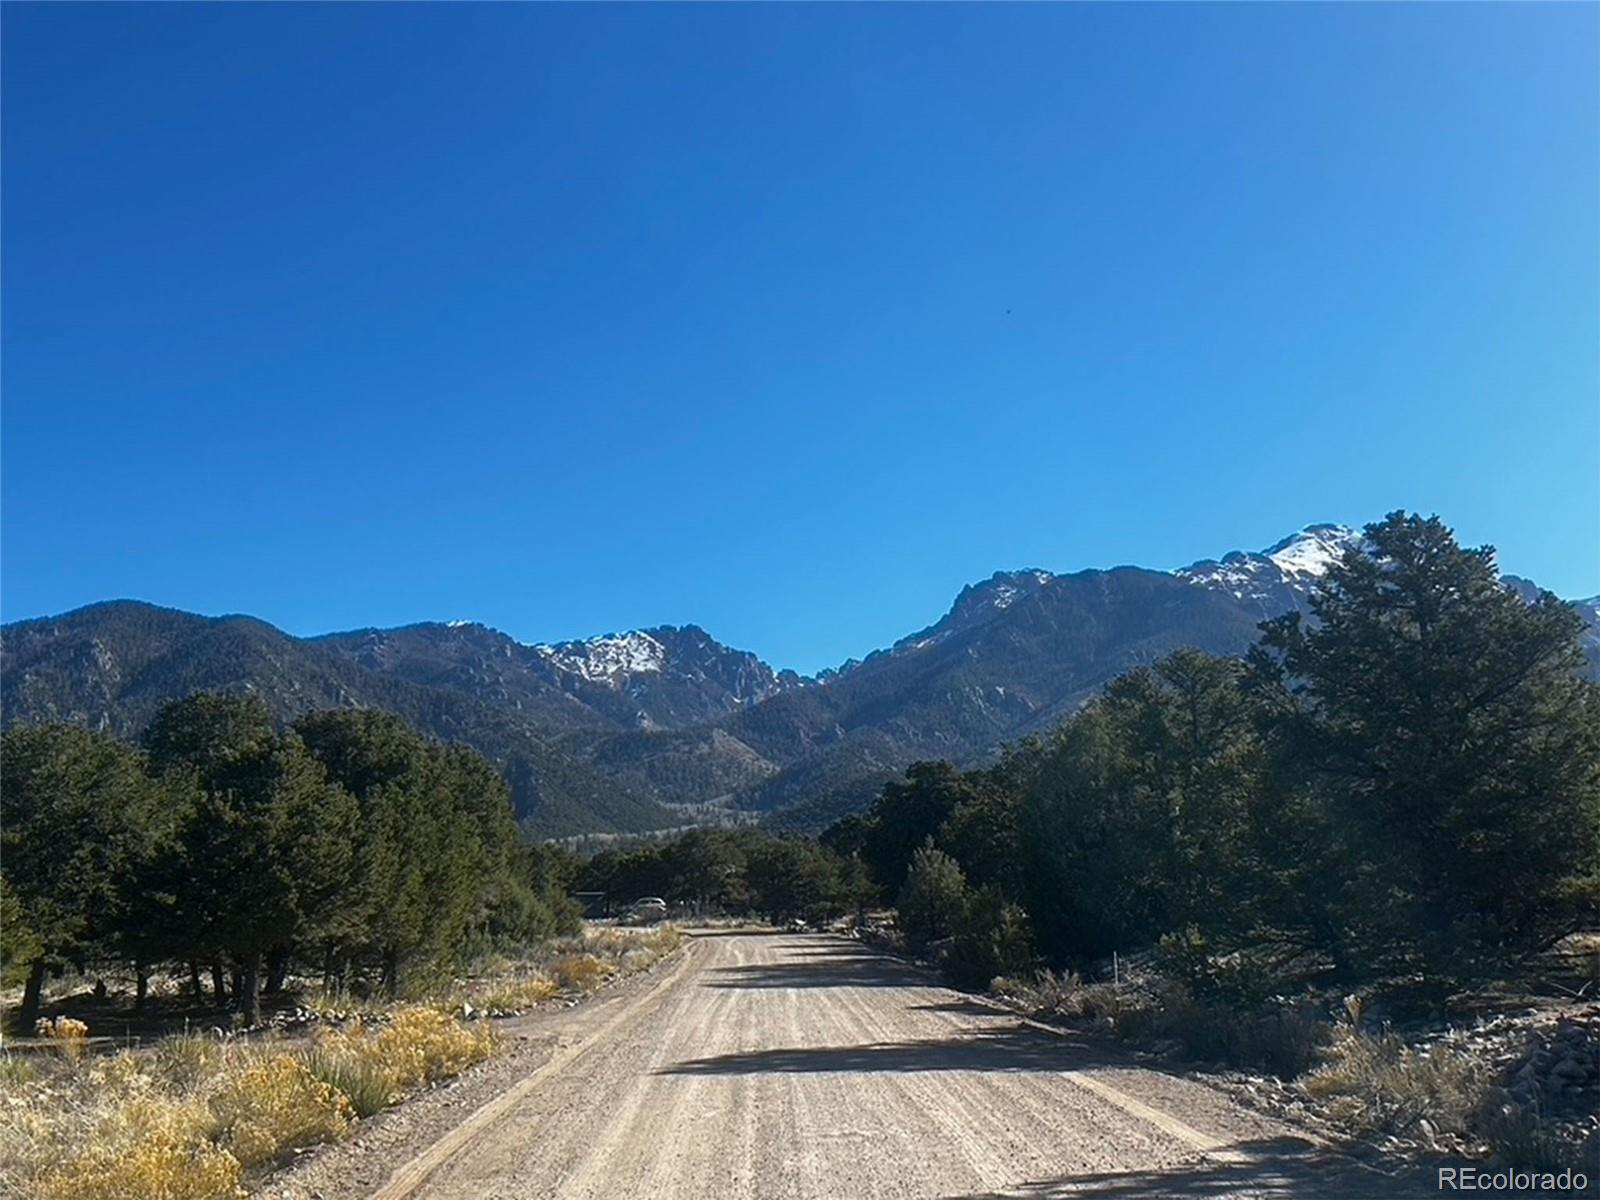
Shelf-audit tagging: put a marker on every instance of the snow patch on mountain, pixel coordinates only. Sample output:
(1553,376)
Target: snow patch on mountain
(1282,574)
(1313,550)
(610,659)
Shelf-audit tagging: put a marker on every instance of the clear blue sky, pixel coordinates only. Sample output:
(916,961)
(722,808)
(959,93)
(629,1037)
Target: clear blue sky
(786,321)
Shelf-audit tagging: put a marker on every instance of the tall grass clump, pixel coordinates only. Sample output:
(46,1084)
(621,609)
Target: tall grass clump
(1377,1083)
(186,1060)
(277,1105)
(581,972)
(357,1077)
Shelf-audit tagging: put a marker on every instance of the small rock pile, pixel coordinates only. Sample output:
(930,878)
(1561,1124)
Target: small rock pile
(1559,1075)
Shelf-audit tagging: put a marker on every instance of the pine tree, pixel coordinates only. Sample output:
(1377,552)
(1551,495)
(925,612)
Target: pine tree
(80,816)
(933,901)
(268,849)
(1444,724)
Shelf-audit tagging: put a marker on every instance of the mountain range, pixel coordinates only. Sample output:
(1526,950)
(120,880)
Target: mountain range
(659,728)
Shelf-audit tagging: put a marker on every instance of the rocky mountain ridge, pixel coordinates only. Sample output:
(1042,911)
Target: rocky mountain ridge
(651,728)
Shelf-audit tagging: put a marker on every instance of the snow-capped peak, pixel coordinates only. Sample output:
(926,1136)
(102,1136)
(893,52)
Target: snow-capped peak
(1279,576)
(610,658)
(1313,550)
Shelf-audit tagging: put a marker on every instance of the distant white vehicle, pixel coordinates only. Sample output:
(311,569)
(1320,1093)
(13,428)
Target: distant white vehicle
(649,908)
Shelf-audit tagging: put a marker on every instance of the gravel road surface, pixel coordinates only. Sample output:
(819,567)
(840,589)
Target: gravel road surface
(808,1067)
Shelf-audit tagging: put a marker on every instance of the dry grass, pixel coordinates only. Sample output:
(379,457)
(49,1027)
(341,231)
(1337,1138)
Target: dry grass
(1280,1039)
(277,1105)
(1377,1083)
(188,1118)
(580,972)
(162,1166)
(70,1037)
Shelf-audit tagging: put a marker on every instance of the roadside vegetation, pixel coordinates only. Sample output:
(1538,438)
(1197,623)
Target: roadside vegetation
(234,856)
(333,903)
(195,1115)
(1396,800)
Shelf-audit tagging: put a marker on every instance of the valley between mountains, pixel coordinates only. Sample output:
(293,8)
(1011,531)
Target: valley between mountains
(666,727)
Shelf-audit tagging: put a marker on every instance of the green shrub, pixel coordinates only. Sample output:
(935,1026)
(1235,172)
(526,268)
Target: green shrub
(933,903)
(364,1082)
(991,940)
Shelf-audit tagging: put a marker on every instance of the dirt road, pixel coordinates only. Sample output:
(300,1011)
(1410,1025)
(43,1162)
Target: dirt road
(807,1067)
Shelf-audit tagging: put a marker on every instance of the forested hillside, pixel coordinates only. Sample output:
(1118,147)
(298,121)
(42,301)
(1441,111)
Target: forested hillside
(609,734)
(113,666)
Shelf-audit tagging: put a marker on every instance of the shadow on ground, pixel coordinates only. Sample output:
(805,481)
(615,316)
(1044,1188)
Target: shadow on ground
(1278,1169)
(1004,1049)
(819,967)
(967,1008)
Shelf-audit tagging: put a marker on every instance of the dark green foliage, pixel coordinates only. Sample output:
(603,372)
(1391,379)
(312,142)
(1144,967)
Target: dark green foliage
(734,872)
(82,820)
(1442,723)
(906,815)
(933,899)
(348,845)
(439,867)
(1407,785)
(1144,818)
(20,946)
(268,846)
(993,939)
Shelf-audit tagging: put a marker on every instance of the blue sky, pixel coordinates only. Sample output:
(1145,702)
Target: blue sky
(786,321)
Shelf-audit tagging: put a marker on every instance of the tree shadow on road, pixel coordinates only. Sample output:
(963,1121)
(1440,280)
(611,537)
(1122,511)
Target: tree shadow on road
(1283,1168)
(1006,1049)
(966,1008)
(841,967)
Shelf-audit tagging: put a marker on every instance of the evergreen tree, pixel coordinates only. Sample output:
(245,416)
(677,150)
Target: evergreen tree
(1444,725)
(80,816)
(933,899)
(1146,818)
(906,814)
(268,847)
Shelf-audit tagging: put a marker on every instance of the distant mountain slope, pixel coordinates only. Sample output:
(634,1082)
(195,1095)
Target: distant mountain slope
(640,730)
(112,666)
(662,678)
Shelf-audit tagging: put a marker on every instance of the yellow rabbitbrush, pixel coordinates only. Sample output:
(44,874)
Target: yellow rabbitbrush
(147,1147)
(417,1045)
(164,1167)
(277,1105)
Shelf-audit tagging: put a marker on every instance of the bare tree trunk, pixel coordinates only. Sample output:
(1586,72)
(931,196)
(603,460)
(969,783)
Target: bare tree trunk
(391,970)
(31,995)
(141,987)
(277,968)
(219,989)
(194,980)
(250,989)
